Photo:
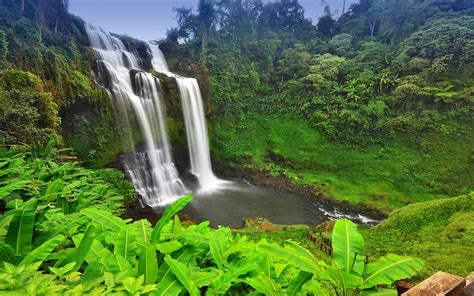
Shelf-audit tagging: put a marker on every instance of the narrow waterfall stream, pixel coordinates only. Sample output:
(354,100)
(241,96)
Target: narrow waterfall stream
(196,131)
(152,171)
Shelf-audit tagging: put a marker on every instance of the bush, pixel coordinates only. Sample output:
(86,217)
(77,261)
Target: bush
(27,113)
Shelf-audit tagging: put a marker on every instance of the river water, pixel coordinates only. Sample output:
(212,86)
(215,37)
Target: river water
(237,200)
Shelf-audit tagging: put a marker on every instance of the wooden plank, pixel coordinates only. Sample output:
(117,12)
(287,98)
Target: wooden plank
(469,289)
(441,283)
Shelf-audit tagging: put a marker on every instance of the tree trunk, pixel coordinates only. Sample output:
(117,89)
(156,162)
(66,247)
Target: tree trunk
(22,7)
(372,27)
(204,45)
(344,7)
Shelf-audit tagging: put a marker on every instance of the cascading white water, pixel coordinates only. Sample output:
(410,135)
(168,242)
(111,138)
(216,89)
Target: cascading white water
(158,60)
(152,172)
(195,122)
(196,131)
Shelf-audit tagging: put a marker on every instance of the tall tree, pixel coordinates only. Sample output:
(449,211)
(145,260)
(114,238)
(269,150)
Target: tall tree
(207,18)
(326,23)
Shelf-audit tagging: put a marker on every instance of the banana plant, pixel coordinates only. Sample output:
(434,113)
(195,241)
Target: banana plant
(17,246)
(351,271)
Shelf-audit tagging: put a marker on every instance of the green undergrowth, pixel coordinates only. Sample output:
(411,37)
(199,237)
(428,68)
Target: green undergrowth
(441,232)
(58,181)
(59,235)
(297,234)
(403,170)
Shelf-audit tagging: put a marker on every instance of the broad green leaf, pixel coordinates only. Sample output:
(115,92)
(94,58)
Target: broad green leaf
(345,280)
(85,246)
(125,243)
(67,224)
(177,227)
(53,190)
(267,266)
(264,285)
(218,243)
(278,267)
(297,283)
(205,278)
(148,264)
(388,269)
(117,264)
(42,252)
(5,222)
(224,281)
(143,229)
(172,210)
(193,237)
(169,285)
(292,254)
(20,231)
(8,189)
(98,253)
(93,273)
(106,219)
(348,247)
(14,204)
(169,247)
(183,275)
(7,253)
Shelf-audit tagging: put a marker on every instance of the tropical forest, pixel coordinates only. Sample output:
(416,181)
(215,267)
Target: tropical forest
(237,147)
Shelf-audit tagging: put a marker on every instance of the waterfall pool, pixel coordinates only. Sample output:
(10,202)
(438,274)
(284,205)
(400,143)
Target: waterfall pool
(237,200)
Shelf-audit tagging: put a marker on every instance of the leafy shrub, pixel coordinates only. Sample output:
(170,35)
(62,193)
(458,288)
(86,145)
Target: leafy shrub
(39,173)
(27,113)
(94,251)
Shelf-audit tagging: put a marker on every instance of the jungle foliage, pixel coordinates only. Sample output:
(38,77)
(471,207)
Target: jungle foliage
(386,76)
(46,86)
(384,67)
(57,237)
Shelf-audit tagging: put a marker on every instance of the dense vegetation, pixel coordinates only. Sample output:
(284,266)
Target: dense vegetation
(59,235)
(387,89)
(439,231)
(45,75)
(373,108)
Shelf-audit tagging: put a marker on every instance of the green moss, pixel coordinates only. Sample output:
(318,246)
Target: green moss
(441,232)
(436,212)
(388,176)
(92,133)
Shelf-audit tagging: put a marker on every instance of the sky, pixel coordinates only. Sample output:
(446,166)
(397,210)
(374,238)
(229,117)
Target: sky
(149,19)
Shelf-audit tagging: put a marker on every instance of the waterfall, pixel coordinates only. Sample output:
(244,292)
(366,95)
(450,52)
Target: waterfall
(195,122)
(158,60)
(196,132)
(151,170)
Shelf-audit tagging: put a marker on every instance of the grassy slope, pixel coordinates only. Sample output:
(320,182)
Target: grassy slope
(387,177)
(441,232)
